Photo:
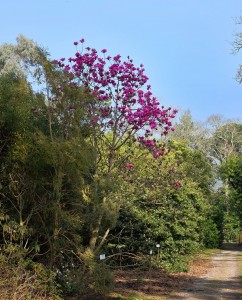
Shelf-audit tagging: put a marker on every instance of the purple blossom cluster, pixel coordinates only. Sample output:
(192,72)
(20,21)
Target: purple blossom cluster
(126,103)
(178,184)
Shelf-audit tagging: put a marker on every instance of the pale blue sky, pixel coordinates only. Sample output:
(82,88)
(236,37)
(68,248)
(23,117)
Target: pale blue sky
(185,45)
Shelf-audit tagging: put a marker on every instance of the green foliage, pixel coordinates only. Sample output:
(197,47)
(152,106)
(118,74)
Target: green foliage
(211,234)
(48,183)
(88,275)
(231,172)
(157,211)
(24,279)
(231,227)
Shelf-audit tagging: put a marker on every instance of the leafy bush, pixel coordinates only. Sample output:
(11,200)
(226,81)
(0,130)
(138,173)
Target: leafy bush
(211,235)
(26,280)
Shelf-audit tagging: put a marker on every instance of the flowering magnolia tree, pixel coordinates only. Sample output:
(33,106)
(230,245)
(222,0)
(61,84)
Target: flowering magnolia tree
(123,110)
(125,105)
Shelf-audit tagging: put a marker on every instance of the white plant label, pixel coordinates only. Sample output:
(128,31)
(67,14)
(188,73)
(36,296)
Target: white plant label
(102,256)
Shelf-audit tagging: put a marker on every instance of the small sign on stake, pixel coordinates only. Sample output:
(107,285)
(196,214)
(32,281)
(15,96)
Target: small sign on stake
(102,256)
(151,252)
(157,245)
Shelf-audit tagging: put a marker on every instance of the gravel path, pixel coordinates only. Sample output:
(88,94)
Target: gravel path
(222,281)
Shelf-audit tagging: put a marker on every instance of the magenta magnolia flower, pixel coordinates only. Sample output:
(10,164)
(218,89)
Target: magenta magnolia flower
(126,105)
(129,166)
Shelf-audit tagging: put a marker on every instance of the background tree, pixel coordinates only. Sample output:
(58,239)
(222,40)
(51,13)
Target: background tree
(188,130)
(231,171)
(218,139)
(25,59)
(237,45)
(226,138)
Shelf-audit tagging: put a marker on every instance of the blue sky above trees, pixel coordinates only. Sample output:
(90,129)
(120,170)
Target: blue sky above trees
(185,45)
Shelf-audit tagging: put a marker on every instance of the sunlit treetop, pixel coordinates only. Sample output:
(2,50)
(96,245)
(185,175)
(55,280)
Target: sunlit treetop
(125,101)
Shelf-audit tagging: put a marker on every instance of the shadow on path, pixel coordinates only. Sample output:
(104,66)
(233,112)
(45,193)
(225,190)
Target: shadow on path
(221,281)
(206,289)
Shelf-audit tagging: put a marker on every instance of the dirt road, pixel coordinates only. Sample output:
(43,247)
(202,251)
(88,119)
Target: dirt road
(221,281)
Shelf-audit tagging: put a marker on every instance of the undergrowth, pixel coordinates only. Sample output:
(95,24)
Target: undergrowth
(22,279)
